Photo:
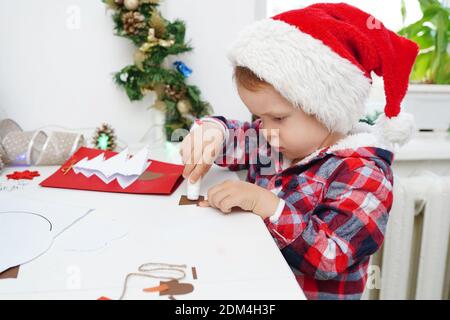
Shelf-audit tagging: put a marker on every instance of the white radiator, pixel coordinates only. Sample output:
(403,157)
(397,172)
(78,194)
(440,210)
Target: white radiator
(414,260)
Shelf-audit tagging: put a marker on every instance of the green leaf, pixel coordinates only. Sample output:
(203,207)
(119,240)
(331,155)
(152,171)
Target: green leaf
(426,4)
(441,55)
(425,38)
(420,69)
(431,33)
(442,74)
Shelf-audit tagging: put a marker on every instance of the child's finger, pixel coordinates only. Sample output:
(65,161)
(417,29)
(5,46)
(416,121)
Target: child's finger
(186,149)
(228,203)
(188,168)
(204,204)
(218,197)
(211,149)
(216,194)
(199,171)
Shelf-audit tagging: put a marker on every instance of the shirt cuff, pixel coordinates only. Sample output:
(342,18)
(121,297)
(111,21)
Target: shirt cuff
(221,126)
(274,218)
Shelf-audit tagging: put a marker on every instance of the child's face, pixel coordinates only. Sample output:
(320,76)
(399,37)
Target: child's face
(298,134)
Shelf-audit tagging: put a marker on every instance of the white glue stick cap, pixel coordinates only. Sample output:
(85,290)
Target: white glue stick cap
(193,189)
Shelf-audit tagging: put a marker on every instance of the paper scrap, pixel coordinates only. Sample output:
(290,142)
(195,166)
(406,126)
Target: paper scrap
(29,227)
(184,201)
(162,287)
(23,175)
(176,288)
(11,273)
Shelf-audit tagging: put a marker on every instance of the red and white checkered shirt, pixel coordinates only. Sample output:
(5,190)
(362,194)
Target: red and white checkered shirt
(334,209)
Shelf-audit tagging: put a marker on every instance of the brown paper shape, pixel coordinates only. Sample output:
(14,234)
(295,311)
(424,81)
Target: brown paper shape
(149,175)
(11,273)
(184,201)
(176,288)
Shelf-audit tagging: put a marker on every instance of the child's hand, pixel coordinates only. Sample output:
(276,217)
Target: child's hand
(247,196)
(200,148)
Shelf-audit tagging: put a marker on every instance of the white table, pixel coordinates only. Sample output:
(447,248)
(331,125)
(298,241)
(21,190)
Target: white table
(234,255)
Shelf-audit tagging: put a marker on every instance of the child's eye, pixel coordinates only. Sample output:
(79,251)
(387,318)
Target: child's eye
(278,118)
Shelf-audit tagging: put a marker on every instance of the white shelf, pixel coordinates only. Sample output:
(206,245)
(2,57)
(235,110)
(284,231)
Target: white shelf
(426,146)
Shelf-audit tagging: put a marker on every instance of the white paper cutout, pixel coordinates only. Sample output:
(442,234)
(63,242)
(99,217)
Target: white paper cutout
(24,237)
(120,167)
(29,227)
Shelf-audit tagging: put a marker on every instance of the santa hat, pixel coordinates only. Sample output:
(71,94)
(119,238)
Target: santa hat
(321,57)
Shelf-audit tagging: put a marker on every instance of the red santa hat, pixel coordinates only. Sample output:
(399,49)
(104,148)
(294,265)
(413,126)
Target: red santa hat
(321,57)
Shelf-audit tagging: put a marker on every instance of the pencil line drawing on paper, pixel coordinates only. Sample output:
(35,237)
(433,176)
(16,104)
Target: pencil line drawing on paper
(32,213)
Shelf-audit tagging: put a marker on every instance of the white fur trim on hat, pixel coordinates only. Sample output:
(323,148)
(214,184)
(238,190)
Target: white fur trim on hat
(305,71)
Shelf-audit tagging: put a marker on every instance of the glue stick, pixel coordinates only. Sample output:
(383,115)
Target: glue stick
(193,189)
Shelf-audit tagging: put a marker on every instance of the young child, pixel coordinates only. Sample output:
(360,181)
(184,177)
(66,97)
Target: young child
(321,179)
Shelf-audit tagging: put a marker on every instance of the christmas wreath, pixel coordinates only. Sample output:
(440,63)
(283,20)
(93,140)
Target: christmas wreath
(156,39)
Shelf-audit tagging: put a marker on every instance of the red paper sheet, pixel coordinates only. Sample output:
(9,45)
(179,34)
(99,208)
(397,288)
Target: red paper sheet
(159,178)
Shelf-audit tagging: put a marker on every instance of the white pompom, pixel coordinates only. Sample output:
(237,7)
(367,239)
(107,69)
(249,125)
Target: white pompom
(396,130)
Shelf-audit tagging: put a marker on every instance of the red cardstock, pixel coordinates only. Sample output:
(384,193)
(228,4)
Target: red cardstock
(159,177)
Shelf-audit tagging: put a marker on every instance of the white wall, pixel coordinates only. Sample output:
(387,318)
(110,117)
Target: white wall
(56,72)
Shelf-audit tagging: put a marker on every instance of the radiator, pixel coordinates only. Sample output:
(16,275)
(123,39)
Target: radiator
(414,260)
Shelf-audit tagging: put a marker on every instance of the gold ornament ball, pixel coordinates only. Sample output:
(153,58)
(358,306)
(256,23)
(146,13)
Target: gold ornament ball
(131,4)
(184,106)
(160,105)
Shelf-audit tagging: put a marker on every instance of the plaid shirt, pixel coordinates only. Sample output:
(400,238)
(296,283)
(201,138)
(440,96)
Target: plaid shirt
(335,209)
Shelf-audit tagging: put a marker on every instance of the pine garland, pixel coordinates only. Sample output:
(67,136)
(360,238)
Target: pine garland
(156,38)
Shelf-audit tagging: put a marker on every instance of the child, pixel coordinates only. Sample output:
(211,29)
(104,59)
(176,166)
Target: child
(321,180)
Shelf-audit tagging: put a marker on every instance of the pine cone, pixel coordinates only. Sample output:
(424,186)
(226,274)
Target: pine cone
(175,94)
(104,138)
(133,21)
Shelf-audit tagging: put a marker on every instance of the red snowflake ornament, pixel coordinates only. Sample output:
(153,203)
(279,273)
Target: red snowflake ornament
(23,175)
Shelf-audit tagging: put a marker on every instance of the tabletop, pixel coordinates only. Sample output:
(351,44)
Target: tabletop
(220,256)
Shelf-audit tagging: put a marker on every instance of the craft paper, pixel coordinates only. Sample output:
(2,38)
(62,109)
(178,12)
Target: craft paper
(120,167)
(184,201)
(11,273)
(23,236)
(29,227)
(112,230)
(194,273)
(139,176)
(176,288)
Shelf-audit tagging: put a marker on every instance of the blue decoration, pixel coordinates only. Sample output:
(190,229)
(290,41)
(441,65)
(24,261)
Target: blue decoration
(183,69)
